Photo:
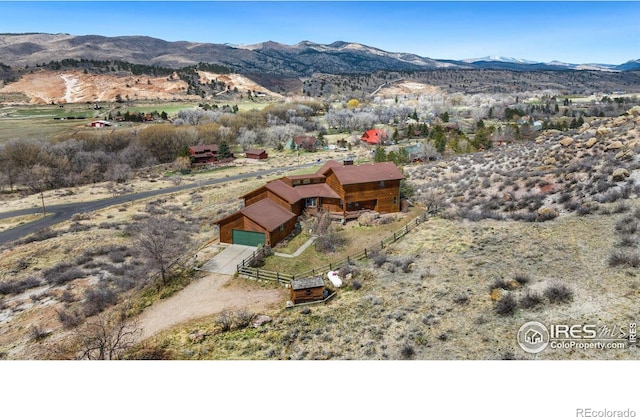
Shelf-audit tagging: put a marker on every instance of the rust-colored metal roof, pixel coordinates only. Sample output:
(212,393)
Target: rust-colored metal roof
(268,214)
(357,174)
(316,190)
(255,152)
(329,164)
(283,190)
(204,148)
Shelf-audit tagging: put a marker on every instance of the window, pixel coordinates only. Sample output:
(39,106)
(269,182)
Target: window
(312,202)
(282,227)
(296,182)
(381,184)
(395,200)
(307,292)
(306,181)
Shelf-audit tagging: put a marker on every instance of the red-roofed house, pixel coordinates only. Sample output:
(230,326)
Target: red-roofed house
(345,191)
(375,137)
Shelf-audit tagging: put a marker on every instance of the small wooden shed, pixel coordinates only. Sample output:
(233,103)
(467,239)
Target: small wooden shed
(307,289)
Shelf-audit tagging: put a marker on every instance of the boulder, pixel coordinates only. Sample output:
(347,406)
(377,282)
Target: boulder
(260,320)
(625,154)
(591,142)
(550,161)
(498,293)
(442,165)
(620,174)
(547,212)
(634,111)
(603,131)
(566,141)
(616,144)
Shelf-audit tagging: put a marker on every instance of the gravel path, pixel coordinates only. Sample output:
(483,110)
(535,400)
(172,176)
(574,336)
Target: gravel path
(207,296)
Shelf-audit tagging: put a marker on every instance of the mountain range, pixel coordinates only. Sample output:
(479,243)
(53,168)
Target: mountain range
(303,59)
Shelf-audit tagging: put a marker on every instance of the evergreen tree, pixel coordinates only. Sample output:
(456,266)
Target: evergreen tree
(380,154)
(223,150)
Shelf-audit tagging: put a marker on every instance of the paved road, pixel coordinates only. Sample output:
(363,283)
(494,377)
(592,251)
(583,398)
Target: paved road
(62,212)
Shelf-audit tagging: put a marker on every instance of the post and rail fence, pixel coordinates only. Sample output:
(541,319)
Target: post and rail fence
(246,270)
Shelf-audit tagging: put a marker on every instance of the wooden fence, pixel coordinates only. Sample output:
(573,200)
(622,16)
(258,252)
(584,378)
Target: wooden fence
(245,269)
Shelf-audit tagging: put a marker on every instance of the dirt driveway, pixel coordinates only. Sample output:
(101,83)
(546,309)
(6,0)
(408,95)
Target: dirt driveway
(207,296)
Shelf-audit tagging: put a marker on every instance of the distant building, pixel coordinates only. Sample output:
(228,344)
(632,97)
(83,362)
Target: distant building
(256,154)
(375,137)
(100,123)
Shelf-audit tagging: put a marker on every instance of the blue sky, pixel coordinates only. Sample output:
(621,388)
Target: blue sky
(576,32)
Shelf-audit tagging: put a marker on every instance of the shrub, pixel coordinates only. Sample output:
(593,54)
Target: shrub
(558,293)
(379,258)
(624,258)
(225,320)
(499,283)
(329,242)
(17,287)
(521,278)
(62,273)
(404,263)
(530,299)
(98,299)
(37,332)
(627,226)
(69,319)
(507,305)
(356,285)
(39,236)
(407,352)
(243,318)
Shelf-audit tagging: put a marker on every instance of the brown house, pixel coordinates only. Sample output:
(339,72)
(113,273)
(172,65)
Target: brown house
(307,289)
(203,154)
(345,191)
(256,154)
(263,223)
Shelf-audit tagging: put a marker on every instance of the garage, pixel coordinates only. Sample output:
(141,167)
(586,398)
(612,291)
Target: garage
(244,237)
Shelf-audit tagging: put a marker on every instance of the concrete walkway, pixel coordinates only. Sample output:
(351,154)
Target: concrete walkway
(300,250)
(226,261)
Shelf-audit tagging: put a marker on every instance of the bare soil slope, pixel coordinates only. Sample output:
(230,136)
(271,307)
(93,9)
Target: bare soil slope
(44,87)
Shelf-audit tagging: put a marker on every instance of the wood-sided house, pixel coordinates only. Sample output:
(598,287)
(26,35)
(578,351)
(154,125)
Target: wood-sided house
(345,191)
(205,154)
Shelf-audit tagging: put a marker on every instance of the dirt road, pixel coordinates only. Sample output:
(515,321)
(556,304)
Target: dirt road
(207,296)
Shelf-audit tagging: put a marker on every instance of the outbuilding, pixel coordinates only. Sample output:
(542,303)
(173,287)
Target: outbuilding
(304,290)
(256,154)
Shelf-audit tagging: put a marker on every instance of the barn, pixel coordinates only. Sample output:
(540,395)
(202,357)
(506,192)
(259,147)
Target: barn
(305,290)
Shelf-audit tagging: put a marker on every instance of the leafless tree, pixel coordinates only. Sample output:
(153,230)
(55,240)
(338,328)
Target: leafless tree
(108,336)
(247,138)
(162,241)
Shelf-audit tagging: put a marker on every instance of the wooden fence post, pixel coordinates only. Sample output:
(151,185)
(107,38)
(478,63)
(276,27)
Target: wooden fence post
(365,253)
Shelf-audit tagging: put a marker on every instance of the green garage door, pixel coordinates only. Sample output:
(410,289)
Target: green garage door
(242,237)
